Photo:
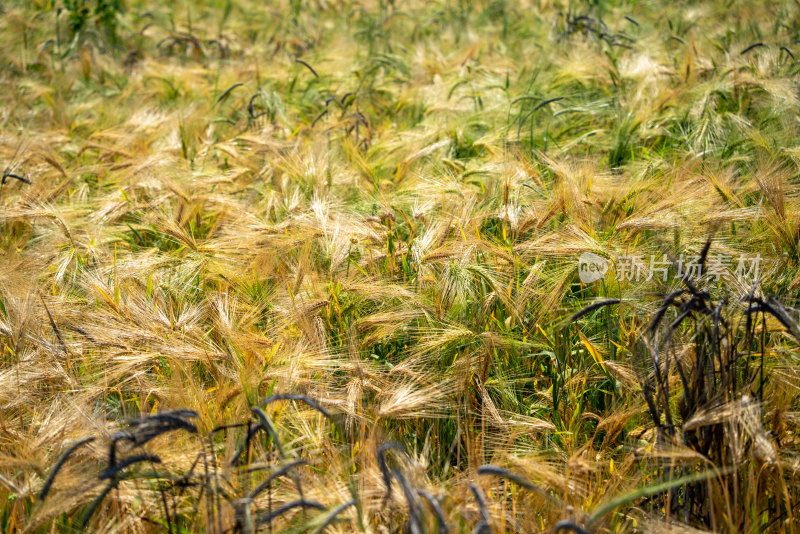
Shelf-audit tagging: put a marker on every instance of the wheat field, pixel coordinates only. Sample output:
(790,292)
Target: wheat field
(374,266)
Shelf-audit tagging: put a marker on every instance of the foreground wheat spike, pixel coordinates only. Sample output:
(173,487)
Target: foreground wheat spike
(127,462)
(87,516)
(437,510)
(415,522)
(665,304)
(146,428)
(112,446)
(275,474)
(22,179)
(569,526)
(262,519)
(333,515)
(306,65)
(517,479)
(228,91)
(385,472)
(301,398)
(114,474)
(60,463)
(774,308)
(593,307)
(484,525)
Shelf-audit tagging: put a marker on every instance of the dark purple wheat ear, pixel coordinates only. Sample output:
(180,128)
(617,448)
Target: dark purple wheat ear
(306,65)
(263,519)
(228,91)
(127,462)
(665,304)
(22,179)
(387,476)
(300,398)
(569,526)
(519,480)
(336,511)
(415,522)
(112,474)
(437,511)
(11,171)
(60,463)
(750,48)
(484,526)
(595,306)
(148,427)
(275,474)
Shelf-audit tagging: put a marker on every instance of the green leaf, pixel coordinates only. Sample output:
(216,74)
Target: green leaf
(622,500)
